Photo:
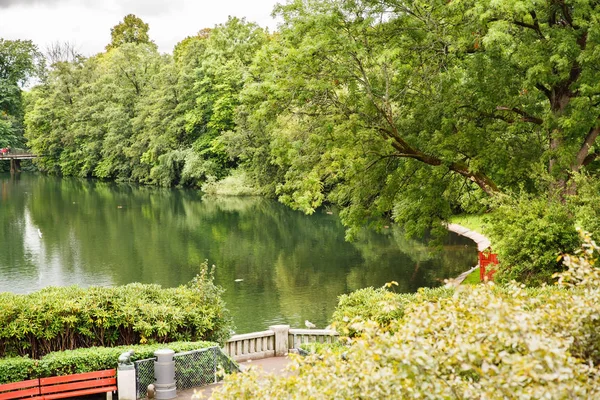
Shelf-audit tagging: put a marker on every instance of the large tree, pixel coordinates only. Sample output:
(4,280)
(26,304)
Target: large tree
(20,60)
(131,30)
(408,109)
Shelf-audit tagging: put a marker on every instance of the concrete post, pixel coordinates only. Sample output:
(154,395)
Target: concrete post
(164,373)
(126,382)
(281,339)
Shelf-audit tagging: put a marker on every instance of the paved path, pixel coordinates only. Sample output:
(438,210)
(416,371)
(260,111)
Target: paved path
(481,241)
(272,365)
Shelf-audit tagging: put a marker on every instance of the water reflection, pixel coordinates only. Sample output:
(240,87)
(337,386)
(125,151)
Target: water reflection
(289,267)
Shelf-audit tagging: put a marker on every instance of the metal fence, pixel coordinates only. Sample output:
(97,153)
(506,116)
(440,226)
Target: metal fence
(144,376)
(192,369)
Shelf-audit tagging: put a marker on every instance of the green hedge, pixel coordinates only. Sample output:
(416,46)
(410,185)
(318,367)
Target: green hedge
(67,318)
(15,369)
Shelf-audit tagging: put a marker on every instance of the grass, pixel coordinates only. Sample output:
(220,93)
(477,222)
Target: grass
(472,221)
(472,278)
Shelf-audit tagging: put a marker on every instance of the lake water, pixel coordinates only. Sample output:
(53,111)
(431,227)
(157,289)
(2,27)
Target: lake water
(276,265)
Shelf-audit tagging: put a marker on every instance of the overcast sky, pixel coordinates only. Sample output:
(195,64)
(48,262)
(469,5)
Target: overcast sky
(87,23)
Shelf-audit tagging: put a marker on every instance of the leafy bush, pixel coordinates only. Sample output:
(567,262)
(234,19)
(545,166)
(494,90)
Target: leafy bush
(16,369)
(585,204)
(66,318)
(529,235)
(379,305)
(236,184)
(91,359)
(482,342)
(318,348)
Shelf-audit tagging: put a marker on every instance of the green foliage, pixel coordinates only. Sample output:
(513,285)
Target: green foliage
(413,115)
(99,358)
(67,318)
(16,369)
(131,30)
(481,342)
(319,348)
(20,60)
(473,278)
(474,222)
(91,359)
(131,114)
(235,184)
(379,305)
(585,204)
(529,235)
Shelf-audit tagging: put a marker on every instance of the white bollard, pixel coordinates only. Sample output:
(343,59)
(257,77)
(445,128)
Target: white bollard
(164,373)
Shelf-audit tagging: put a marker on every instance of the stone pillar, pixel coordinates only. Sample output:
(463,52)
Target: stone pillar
(281,339)
(126,382)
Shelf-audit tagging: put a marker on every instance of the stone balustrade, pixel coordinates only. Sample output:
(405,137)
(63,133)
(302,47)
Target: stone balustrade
(275,342)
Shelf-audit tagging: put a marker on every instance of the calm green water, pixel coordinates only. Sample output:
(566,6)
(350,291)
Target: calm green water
(293,266)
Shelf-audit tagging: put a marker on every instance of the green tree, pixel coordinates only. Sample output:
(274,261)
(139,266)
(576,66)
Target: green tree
(407,109)
(161,123)
(131,30)
(20,61)
(81,119)
(230,49)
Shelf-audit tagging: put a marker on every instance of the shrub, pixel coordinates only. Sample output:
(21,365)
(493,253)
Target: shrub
(482,342)
(319,348)
(379,305)
(66,318)
(15,369)
(91,359)
(529,235)
(585,204)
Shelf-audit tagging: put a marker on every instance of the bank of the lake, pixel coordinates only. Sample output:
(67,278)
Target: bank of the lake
(276,265)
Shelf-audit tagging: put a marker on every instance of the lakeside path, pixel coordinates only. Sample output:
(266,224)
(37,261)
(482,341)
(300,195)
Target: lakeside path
(481,241)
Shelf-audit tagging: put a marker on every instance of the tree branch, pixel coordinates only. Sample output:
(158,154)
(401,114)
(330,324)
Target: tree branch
(525,116)
(584,151)
(544,90)
(534,27)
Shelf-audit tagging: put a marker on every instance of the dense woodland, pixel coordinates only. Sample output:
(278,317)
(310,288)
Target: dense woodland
(408,111)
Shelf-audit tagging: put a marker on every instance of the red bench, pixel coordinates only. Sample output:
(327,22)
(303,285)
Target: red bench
(60,387)
(21,390)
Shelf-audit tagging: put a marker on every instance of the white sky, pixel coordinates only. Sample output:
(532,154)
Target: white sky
(87,23)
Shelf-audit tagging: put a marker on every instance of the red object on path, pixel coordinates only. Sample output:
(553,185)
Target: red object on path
(487,263)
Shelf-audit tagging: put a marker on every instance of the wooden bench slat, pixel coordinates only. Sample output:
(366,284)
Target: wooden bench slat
(65,387)
(80,393)
(78,377)
(19,385)
(21,394)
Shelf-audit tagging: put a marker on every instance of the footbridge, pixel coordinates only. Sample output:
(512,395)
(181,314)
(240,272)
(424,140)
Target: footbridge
(15,159)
